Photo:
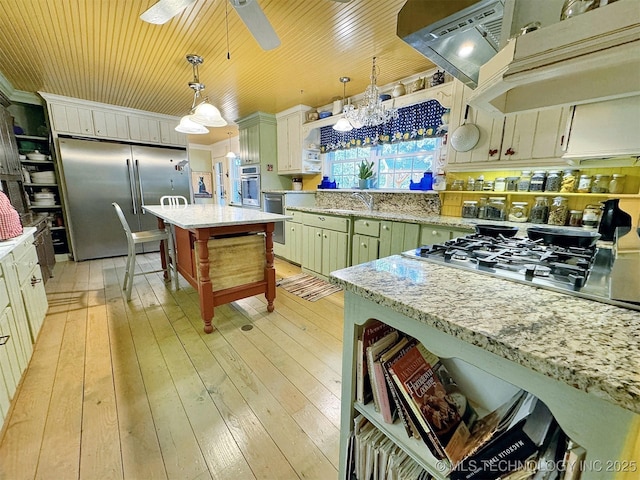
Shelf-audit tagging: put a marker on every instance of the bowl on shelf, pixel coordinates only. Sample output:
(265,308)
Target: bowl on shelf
(324,114)
(385,96)
(36,155)
(43,177)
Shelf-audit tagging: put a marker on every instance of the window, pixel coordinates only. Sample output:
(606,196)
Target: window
(395,164)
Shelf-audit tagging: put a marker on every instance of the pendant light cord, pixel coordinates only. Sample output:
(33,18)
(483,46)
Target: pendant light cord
(226,19)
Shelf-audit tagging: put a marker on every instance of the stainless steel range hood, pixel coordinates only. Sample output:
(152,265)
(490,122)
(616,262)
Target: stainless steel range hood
(457,35)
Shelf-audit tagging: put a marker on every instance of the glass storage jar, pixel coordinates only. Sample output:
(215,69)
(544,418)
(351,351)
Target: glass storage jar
(569,181)
(496,209)
(469,209)
(512,184)
(575,218)
(554,180)
(500,184)
(600,184)
(616,185)
(537,181)
(519,212)
(479,184)
(457,185)
(488,186)
(558,211)
(482,207)
(524,181)
(471,182)
(591,216)
(584,184)
(540,211)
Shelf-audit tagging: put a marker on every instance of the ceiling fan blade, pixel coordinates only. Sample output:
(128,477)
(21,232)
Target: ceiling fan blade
(164,10)
(257,23)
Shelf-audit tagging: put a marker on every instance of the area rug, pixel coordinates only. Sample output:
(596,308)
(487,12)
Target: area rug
(307,286)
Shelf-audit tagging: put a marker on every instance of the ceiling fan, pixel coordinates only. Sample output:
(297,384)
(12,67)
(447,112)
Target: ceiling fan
(248,10)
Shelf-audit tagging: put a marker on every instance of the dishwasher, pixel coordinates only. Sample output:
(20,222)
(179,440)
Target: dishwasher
(274,203)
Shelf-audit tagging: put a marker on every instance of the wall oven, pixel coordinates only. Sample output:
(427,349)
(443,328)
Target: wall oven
(250,185)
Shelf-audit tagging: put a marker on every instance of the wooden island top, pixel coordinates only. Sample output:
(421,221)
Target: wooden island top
(226,253)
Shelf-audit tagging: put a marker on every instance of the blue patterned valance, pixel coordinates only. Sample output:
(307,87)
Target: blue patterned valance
(414,122)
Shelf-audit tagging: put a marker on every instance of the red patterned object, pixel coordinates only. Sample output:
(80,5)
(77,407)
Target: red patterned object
(10,225)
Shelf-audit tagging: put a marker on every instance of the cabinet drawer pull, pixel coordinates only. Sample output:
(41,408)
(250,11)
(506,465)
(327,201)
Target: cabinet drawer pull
(325,236)
(318,234)
(4,339)
(35,280)
(322,219)
(434,232)
(366,224)
(384,227)
(510,151)
(364,245)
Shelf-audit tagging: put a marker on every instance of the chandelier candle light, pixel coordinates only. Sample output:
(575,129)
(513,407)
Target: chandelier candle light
(370,112)
(204,114)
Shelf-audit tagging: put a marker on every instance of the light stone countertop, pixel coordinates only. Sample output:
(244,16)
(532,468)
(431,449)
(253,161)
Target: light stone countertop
(6,246)
(209,215)
(427,219)
(591,346)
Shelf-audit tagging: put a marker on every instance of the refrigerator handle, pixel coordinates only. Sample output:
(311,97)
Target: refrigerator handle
(131,186)
(140,188)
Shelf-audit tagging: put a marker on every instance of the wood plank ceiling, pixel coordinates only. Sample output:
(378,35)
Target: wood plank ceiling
(100,50)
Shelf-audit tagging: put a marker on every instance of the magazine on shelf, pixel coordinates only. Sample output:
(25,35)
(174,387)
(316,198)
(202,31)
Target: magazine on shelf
(504,439)
(372,354)
(415,374)
(372,331)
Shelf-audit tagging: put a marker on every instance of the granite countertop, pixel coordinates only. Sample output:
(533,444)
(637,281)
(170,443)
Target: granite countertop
(453,222)
(208,215)
(591,346)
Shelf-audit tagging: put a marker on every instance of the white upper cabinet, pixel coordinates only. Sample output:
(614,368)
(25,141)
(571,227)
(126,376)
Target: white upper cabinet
(71,119)
(289,124)
(110,125)
(98,120)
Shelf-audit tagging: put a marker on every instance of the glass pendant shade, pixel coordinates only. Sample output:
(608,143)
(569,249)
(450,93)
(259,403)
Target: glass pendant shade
(208,115)
(230,155)
(343,125)
(189,126)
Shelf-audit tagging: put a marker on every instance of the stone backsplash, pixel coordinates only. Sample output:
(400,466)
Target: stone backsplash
(410,203)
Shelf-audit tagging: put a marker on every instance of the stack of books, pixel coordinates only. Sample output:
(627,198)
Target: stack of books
(406,381)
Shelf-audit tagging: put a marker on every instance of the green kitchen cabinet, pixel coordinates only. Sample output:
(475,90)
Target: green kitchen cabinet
(325,241)
(294,245)
(364,249)
(397,237)
(432,234)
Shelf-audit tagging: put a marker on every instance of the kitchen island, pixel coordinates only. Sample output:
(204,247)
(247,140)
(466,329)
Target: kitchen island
(226,253)
(580,357)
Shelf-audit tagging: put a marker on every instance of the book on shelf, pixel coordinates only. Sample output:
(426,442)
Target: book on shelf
(503,440)
(372,331)
(415,375)
(373,354)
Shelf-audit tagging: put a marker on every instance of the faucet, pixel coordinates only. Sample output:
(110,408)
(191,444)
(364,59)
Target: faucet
(365,198)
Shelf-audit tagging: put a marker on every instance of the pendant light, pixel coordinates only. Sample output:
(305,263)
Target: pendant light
(204,114)
(343,125)
(230,154)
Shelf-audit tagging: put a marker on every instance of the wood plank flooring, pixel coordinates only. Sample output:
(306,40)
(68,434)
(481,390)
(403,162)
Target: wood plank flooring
(136,390)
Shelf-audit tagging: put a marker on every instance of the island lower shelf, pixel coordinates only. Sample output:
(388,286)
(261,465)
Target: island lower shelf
(608,433)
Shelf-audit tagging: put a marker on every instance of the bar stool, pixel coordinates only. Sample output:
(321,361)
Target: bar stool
(133,239)
(173,201)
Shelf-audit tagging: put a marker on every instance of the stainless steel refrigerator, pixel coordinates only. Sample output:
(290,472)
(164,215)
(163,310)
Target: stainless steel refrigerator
(95,174)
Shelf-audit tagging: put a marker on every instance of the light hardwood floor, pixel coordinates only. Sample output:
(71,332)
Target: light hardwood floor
(137,390)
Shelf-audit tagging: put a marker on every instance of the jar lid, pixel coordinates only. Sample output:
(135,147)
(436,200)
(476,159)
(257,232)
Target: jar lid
(539,172)
(499,199)
(584,175)
(470,201)
(500,179)
(618,175)
(526,172)
(519,203)
(575,211)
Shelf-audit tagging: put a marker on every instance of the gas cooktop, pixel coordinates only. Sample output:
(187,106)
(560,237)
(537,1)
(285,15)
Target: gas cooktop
(579,271)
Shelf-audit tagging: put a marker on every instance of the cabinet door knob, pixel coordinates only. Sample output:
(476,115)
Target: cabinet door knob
(318,233)
(366,224)
(492,151)
(434,233)
(364,245)
(35,280)
(322,219)
(325,236)
(510,151)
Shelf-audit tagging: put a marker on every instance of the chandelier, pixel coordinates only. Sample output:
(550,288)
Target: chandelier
(202,114)
(370,112)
